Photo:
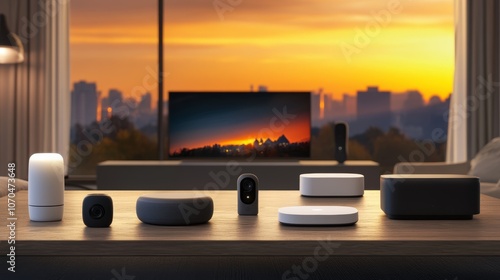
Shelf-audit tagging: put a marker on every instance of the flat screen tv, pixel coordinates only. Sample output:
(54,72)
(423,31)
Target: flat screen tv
(262,125)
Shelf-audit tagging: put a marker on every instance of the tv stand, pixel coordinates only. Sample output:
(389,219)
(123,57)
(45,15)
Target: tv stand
(222,175)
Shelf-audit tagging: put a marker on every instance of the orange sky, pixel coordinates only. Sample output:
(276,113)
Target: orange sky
(297,46)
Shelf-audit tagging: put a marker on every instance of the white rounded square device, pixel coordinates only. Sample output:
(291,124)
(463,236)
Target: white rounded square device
(332,184)
(318,215)
(46,187)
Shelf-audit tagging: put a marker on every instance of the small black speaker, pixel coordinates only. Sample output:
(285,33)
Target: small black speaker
(97,210)
(341,133)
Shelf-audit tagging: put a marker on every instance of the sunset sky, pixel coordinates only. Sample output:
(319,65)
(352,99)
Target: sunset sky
(293,45)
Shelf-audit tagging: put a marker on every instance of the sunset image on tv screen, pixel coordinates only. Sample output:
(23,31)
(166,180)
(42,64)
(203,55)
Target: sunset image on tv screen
(239,124)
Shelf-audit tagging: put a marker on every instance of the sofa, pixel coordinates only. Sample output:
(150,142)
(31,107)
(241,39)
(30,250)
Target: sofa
(485,165)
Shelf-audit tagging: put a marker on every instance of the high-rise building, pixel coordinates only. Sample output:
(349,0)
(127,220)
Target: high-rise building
(414,100)
(339,110)
(329,112)
(115,97)
(111,103)
(334,110)
(105,114)
(316,109)
(435,100)
(374,107)
(398,101)
(143,114)
(413,116)
(83,103)
(145,103)
(349,106)
(372,102)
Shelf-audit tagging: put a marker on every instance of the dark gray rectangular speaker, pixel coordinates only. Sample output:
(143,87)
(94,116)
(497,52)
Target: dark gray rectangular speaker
(432,196)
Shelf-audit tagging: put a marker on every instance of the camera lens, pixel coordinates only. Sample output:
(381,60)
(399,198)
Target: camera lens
(247,185)
(96,211)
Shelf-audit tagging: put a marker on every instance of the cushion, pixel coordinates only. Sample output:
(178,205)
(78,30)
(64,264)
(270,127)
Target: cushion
(491,189)
(4,185)
(485,164)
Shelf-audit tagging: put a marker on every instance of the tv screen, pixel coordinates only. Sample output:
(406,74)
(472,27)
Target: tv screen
(239,124)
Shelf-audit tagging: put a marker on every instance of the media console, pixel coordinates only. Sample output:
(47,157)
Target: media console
(221,175)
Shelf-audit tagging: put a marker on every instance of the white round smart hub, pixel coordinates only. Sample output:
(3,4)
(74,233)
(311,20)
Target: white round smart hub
(318,215)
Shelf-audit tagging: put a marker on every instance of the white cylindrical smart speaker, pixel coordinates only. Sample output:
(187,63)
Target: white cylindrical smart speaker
(46,187)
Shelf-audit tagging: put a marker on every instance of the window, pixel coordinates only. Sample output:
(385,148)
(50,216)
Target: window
(384,67)
(114,66)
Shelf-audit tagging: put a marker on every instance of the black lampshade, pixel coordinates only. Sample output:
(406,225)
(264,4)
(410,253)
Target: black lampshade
(11,49)
(4,33)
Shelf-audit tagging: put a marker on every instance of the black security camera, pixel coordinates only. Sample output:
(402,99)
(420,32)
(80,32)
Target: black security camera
(248,194)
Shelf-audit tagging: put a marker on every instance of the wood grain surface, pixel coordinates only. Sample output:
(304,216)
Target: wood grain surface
(230,234)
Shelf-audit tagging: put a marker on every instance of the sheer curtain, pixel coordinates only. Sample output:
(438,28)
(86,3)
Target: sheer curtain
(35,99)
(475,105)
(457,125)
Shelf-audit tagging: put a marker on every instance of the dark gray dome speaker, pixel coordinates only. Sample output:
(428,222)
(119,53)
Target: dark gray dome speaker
(174,209)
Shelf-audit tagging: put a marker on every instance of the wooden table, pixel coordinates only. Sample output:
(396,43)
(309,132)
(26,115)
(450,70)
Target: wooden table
(228,234)
(249,247)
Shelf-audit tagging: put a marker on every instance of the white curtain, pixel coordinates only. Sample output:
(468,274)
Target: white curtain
(456,147)
(35,95)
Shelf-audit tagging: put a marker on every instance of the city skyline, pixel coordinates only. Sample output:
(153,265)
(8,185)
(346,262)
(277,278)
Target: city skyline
(324,107)
(282,48)
(323,96)
(88,106)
